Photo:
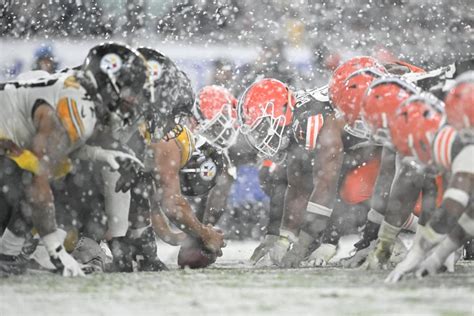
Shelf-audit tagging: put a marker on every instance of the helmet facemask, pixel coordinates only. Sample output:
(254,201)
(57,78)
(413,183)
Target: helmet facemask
(267,133)
(358,129)
(126,94)
(220,130)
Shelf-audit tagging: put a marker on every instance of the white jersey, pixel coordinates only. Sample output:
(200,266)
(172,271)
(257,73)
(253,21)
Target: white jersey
(19,100)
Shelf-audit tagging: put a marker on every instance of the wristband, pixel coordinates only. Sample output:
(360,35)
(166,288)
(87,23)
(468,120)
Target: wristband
(457,195)
(319,209)
(375,217)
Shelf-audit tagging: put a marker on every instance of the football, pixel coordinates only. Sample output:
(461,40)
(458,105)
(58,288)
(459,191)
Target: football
(194,256)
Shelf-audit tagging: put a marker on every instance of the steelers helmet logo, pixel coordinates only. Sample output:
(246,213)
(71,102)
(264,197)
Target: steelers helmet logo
(155,69)
(111,63)
(208,170)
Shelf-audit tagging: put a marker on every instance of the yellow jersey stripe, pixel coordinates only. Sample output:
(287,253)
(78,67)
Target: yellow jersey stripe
(66,119)
(73,105)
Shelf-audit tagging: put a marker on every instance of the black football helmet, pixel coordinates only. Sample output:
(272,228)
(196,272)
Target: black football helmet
(172,96)
(200,174)
(119,75)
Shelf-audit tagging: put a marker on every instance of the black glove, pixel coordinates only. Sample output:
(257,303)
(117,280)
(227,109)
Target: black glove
(132,175)
(369,234)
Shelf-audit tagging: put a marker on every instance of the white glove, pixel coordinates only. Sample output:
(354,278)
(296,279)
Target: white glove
(59,257)
(444,253)
(414,257)
(379,257)
(433,264)
(424,241)
(322,255)
(263,248)
(298,251)
(111,157)
(430,266)
(358,257)
(279,249)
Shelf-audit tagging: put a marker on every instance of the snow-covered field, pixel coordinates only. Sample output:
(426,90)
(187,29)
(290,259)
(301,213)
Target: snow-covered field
(233,287)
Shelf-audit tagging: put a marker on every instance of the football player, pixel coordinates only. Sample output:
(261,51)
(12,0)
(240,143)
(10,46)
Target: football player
(166,160)
(305,128)
(347,92)
(43,122)
(450,150)
(404,188)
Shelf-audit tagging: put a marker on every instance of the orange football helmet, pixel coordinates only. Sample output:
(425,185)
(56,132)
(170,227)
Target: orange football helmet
(215,109)
(265,111)
(460,102)
(344,94)
(381,100)
(415,124)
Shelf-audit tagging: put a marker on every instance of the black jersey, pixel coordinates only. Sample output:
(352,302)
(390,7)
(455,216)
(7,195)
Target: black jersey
(311,110)
(312,107)
(438,81)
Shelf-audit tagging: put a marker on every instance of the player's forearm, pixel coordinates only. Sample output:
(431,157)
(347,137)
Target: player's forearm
(455,200)
(217,200)
(294,209)
(384,181)
(164,232)
(178,210)
(42,204)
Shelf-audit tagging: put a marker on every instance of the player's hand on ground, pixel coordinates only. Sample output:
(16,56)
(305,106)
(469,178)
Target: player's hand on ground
(409,264)
(430,266)
(379,257)
(359,257)
(63,261)
(293,257)
(322,255)
(263,249)
(279,249)
(213,239)
(70,267)
(299,251)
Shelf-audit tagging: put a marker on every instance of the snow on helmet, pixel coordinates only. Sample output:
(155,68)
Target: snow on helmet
(380,102)
(265,111)
(415,124)
(460,102)
(215,109)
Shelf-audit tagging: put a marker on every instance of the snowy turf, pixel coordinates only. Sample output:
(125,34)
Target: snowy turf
(233,287)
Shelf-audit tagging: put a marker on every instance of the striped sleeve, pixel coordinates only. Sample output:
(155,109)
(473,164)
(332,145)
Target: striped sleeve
(69,116)
(313,127)
(442,147)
